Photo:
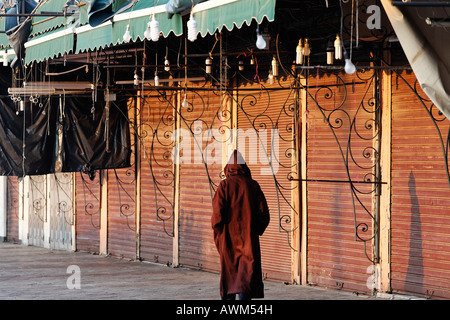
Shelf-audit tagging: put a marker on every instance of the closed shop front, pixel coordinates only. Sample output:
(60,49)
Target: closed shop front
(265,119)
(121,190)
(157,183)
(13,200)
(61,210)
(36,209)
(47,214)
(200,173)
(420,246)
(160,211)
(341,136)
(121,213)
(87,205)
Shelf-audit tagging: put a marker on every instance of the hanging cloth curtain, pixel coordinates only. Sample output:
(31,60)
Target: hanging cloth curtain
(18,29)
(427,52)
(100,11)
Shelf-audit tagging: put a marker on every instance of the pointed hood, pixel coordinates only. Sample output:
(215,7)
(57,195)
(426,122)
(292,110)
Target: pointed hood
(236,165)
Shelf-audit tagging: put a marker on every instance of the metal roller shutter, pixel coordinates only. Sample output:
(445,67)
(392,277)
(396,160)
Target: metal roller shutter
(335,257)
(37,209)
(261,108)
(156,164)
(87,206)
(420,196)
(196,242)
(60,210)
(121,213)
(121,204)
(12,222)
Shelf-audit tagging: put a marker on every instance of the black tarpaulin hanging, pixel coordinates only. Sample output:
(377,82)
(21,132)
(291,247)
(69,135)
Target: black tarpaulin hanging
(61,134)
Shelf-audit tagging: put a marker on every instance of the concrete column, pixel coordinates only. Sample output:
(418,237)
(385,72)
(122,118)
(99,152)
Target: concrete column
(3,207)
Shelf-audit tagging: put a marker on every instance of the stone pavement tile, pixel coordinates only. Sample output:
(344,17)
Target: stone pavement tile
(34,273)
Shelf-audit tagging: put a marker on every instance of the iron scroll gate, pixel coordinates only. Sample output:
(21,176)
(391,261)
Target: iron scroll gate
(159,134)
(219,130)
(368,108)
(329,99)
(350,107)
(156,136)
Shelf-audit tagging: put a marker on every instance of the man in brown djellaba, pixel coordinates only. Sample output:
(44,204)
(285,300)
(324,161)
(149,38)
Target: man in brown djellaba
(240,216)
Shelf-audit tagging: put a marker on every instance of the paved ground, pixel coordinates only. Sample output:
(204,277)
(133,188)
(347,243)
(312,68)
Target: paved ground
(33,273)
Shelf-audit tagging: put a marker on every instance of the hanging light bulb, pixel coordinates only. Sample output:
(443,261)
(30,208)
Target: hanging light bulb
(136,79)
(306,48)
(241,65)
(154,27)
(208,63)
(274,67)
(126,35)
(270,78)
(330,53)
(349,67)
(299,50)
(166,64)
(330,57)
(156,79)
(260,42)
(192,28)
(185,104)
(5,58)
(252,60)
(147,33)
(337,48)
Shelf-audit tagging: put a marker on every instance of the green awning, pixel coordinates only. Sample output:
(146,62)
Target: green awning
(89,38)
(49,46)
(137,17)
(45,24)
(214,15)
(211,16)
(51,36)
(4,42)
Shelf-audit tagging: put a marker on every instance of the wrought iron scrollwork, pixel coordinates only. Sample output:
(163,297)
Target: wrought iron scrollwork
(282,124)
(64,183)
(350,130)
(436,116)
(91,208)
(158,126)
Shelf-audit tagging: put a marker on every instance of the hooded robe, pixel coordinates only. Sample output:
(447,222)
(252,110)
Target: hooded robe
(240,216)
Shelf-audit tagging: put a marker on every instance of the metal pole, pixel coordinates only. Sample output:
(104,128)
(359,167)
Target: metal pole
(421,4)
(43,14)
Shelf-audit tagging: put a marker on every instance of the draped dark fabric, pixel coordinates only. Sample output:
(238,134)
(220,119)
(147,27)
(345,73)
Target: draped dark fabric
(177,6)
(100,11)
(61,135)
(18,29)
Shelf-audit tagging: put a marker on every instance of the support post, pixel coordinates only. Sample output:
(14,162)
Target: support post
(385,198)
(137,152)
(304,185)
(296,191)
(3,208)
(103,212)
(176,169)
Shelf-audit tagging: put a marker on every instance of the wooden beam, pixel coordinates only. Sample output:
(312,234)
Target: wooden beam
(385,198)
(176,205)
(304,185)
(137,151)
(103,250)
